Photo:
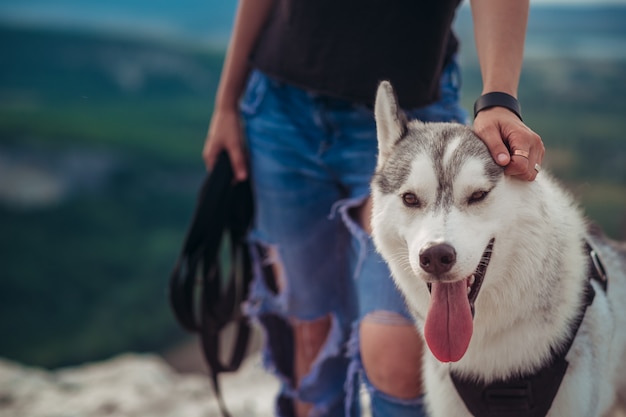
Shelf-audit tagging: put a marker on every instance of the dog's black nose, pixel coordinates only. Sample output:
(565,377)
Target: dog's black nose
(437,258)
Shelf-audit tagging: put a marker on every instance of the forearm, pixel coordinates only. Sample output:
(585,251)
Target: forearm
(500,31)
(249,21)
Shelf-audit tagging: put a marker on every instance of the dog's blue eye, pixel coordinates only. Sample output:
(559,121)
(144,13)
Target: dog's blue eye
(477,196)
(411,200)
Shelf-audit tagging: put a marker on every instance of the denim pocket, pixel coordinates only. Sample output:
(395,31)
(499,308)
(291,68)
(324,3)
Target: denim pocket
(254,94)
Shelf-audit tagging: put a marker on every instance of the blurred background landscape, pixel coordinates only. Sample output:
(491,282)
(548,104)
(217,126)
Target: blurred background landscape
(103,111)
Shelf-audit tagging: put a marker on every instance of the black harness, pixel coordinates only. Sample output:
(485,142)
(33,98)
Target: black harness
(530,395)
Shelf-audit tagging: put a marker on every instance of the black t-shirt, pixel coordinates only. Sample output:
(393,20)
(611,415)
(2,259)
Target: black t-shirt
(344,48)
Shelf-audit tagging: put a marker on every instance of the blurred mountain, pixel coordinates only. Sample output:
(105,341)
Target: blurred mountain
(100,140)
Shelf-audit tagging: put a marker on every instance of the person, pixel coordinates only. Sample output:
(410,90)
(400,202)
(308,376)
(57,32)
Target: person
(293,110)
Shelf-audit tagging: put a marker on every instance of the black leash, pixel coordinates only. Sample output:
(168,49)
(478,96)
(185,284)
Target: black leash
(212,274)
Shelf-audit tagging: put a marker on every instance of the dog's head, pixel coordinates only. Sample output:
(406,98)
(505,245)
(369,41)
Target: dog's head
(436,219)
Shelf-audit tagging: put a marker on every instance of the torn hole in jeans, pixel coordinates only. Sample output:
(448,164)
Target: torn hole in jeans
(322,385)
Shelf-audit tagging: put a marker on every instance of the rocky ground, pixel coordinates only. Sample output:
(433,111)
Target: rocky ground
(138,385)
(131,385)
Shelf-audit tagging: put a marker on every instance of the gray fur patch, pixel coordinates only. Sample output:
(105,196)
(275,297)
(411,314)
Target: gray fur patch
(433,140)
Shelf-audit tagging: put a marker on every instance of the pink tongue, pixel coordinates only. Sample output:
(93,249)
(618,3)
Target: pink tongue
(448,328)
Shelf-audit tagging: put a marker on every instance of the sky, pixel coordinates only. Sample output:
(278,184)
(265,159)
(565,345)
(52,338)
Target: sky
(184,19)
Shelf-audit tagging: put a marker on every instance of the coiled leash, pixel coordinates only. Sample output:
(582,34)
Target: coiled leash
(530,395)
(212,274)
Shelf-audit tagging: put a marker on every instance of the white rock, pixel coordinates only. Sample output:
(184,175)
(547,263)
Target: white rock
(131,385)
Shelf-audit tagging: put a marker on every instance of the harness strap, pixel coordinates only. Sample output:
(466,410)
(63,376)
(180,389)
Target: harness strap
(530,395)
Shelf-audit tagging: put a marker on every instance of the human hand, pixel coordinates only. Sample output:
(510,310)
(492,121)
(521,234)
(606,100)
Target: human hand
(225,134)
(504,134)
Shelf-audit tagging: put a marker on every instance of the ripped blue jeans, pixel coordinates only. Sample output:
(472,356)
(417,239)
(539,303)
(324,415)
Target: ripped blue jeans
(311,160)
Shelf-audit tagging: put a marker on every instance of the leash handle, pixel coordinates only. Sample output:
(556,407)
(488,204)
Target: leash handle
(205,294)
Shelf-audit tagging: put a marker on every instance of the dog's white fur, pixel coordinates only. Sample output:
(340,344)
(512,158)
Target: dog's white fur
(532,288)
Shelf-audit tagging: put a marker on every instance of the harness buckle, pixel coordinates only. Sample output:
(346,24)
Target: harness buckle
(600,273)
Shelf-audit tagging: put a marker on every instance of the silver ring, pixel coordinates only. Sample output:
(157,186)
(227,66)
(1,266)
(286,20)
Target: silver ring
(537,168)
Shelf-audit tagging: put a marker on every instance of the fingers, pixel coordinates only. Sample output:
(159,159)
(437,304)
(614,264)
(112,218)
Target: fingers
(238,162)
(511,143)
(235,153)
(527,153)
(525,168)
(225,135)
(492,138)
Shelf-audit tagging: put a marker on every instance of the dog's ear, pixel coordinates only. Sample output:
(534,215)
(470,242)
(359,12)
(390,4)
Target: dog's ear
(391,122)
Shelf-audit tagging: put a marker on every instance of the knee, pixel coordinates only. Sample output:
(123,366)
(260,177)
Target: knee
(310,336)
(392,356)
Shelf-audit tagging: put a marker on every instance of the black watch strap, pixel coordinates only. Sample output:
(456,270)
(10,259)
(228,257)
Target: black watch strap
(498,99)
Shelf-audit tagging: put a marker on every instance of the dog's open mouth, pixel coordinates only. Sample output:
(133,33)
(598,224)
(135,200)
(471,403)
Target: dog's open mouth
(449,324)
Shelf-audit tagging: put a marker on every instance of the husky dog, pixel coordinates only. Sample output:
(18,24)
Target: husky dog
(505,279)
